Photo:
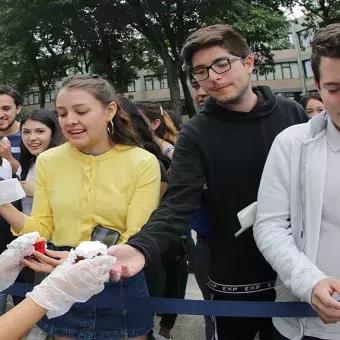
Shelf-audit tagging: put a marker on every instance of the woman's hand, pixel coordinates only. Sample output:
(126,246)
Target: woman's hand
(28,187)
(46,264)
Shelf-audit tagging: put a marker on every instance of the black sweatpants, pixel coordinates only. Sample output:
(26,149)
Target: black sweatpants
(244,328)
(201,268)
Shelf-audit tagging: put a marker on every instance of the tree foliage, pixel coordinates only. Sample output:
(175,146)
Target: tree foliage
(116,38)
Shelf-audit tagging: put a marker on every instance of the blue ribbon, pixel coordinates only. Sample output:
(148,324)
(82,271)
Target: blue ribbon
(240,309)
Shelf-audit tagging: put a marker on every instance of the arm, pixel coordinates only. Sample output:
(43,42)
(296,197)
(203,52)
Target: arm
(67,284)
(181,200)
(5,152)
(164,186)
(272,230)
(28,312)
(14,164)
(145,199)
(13,216)
(41,219)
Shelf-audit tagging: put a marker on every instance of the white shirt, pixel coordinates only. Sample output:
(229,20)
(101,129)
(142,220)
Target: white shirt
(329,243)
(27,202)
(5,169)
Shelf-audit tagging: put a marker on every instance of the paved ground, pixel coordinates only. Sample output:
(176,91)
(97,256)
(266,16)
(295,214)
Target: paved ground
(188,327)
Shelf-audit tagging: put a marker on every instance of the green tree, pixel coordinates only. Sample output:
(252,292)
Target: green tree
(37,58)
(167,23)
(318,13)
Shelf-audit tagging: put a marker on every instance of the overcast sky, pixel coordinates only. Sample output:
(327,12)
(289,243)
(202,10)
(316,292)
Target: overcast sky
(297,12)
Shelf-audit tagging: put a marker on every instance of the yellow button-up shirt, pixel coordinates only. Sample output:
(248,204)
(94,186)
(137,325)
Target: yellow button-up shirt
(75,192)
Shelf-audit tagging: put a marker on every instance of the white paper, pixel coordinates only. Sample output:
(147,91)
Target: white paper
(247,218)
(11,191)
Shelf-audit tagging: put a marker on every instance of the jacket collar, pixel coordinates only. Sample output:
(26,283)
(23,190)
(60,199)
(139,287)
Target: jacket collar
(317,124)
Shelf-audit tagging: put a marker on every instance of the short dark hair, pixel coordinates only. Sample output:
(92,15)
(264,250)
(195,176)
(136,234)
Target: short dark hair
(17,97)
(326,43)
(307,97)
(216,35)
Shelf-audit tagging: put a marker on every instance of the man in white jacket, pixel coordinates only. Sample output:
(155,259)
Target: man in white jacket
(298,217)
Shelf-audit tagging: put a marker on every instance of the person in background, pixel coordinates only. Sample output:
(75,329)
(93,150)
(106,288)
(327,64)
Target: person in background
(298,215)
(176,118)
(100,180)
(11,103)
(200,223)
(146,139)
(312,103)
(161,126)
(199,94)
(5,173)
(40,131)
(168,277)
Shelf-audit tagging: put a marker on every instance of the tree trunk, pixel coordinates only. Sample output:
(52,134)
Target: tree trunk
(173,83)
(189,105)
(42,94)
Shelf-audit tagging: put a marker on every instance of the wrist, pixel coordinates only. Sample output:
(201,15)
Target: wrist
(10,158)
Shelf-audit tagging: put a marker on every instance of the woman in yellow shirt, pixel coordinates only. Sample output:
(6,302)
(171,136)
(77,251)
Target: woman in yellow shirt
(99,178)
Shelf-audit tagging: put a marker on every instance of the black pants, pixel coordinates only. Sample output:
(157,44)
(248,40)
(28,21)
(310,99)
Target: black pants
(200,267)
(244,328)
(278,336)
(167,277)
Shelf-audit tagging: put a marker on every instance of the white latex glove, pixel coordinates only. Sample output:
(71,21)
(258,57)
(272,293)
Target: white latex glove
(10,262)
(71,283)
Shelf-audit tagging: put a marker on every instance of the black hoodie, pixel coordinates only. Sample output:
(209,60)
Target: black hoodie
(226,151)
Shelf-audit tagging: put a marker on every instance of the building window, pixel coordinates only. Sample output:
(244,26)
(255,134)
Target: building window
(295,70)
(164,83)
(286,72)
(291,40)
(132,87)
(308,69)
(155,83)
(48,97)
(148,83)
(281,71)
(278,71)
(253,76)
(261,77)
(305,38)
(270,75)
(34,98)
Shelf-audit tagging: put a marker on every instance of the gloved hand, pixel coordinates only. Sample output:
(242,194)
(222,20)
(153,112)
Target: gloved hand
(71,283)
(10,262)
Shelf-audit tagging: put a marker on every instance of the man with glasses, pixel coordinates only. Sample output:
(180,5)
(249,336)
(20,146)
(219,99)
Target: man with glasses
(223,149)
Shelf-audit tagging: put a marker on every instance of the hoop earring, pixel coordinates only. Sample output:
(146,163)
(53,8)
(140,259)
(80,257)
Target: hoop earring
(110,128)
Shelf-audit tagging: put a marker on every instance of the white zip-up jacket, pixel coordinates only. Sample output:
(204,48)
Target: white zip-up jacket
(289,214)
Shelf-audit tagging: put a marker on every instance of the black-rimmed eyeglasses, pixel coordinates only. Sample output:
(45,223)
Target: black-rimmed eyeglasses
(220,66)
